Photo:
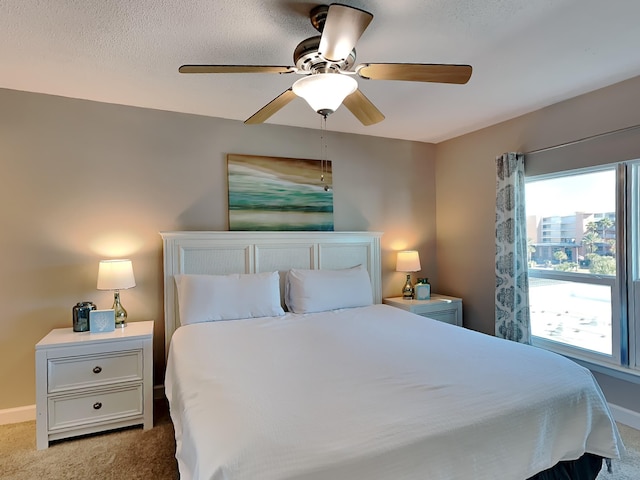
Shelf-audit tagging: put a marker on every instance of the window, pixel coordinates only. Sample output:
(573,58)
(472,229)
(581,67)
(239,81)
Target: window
(577,265)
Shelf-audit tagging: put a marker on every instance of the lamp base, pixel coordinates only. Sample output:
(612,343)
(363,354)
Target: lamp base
(120,312)
(407,290)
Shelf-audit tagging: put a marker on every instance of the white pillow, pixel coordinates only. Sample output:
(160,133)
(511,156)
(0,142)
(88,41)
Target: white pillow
(207,298)
(308,291)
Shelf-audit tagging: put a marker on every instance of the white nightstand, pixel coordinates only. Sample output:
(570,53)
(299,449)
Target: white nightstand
(439,307)
(90,382)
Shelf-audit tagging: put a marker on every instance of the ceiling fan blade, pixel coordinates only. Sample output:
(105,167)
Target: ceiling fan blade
(342,29)
(362,108)
(416,72)
(235,69)
(271,108)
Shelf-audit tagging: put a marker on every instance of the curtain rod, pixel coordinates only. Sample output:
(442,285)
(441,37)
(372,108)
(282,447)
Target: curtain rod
(592,137)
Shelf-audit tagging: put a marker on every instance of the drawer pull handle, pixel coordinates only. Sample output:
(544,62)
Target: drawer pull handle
(97,369)
(97,406)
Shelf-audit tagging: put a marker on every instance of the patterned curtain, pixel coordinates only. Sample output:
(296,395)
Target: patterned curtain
(512,279)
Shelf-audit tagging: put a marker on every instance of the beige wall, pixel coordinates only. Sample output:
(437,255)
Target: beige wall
(465,195)
(82,181)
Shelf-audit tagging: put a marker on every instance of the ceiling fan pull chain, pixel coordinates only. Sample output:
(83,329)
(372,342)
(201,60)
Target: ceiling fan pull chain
(323,127)
(325,159)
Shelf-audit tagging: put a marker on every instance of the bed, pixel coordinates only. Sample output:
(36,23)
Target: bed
(282,364)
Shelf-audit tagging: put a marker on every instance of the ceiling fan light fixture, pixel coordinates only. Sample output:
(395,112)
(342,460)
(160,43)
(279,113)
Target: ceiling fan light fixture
(324,92)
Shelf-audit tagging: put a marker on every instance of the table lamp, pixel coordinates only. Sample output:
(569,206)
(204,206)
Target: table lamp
(408,261)
(116,275)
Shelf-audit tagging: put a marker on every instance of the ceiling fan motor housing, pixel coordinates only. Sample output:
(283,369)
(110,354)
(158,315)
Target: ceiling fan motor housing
(307,58)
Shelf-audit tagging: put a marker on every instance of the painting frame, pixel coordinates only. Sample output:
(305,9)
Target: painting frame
(279,193)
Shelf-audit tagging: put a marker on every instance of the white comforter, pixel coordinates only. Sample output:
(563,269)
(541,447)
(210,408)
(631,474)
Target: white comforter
(375,393)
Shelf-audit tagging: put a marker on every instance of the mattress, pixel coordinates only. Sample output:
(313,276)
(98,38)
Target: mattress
(375,393)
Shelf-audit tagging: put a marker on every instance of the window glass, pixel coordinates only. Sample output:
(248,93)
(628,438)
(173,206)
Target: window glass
(573,313)
(571,230)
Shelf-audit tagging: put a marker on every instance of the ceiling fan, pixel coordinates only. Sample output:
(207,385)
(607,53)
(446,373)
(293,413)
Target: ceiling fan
(327,63)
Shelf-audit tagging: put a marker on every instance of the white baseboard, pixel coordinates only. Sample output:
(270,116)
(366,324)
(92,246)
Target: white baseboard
(630,418)
(17,415)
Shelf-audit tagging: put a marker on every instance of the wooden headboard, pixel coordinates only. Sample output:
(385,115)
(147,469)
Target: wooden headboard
(221,253)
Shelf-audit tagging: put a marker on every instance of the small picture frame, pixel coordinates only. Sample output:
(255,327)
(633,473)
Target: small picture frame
(422,291)
(101,321)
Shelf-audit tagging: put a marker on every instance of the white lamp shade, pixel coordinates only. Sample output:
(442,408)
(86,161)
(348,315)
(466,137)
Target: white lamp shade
(408,261)
(115,275)
(324,92)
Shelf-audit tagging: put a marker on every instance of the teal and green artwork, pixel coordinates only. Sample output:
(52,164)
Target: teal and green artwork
(271,193)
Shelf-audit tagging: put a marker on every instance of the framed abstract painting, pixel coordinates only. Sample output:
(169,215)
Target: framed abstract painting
(273,193)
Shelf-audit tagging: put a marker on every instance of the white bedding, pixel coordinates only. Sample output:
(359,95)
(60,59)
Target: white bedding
(375,393)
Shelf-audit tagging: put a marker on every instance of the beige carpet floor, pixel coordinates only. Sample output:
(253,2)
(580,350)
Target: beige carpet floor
(628,467)
(130,453)
(134,454)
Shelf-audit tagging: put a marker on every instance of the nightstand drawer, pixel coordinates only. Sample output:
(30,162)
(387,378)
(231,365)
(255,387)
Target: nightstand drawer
(92,370)
(75,410)
(439,307)
(446,316)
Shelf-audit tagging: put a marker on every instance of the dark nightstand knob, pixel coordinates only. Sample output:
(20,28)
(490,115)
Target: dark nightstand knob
(97,406)
(97,369)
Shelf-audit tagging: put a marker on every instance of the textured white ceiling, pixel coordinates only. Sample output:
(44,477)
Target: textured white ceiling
(526,54)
